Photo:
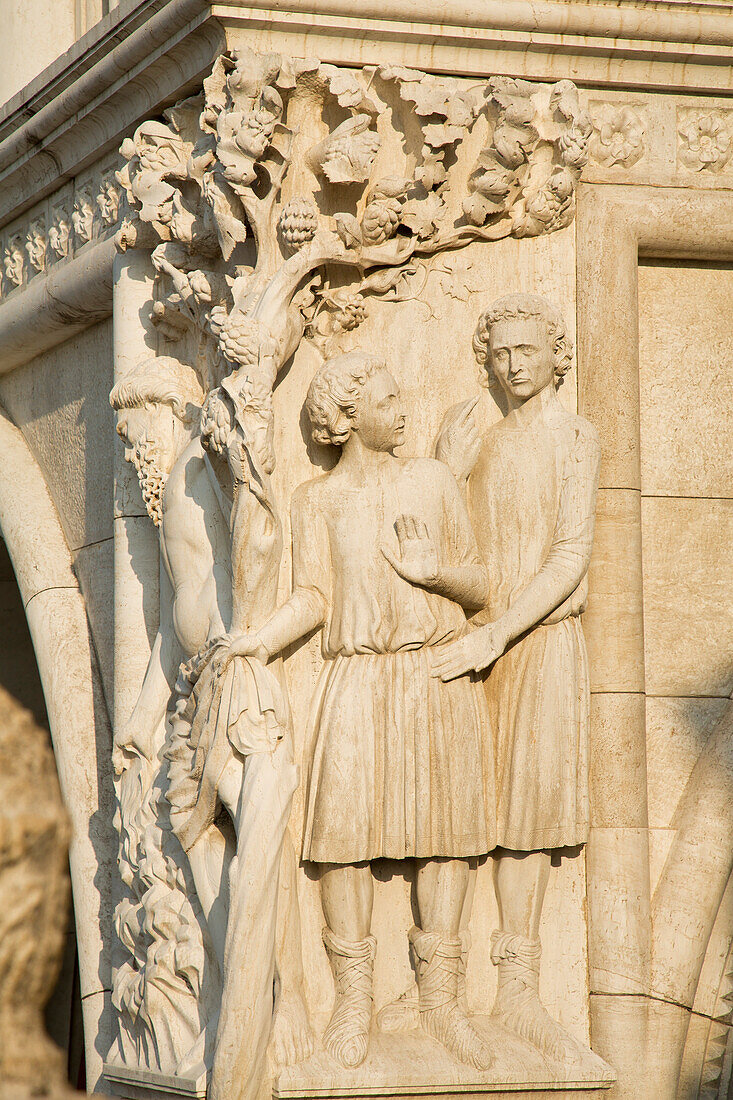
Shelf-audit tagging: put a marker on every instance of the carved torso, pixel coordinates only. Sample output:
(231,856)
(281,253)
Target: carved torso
(531,489)
(195,545)
(338,533)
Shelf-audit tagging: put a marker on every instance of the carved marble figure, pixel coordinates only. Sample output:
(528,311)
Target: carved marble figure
(229,744)
(265,231)
(385,563)
(532,481)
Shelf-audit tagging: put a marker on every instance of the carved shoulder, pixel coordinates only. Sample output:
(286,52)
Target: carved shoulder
(310,495)
(587,442)
(433,472)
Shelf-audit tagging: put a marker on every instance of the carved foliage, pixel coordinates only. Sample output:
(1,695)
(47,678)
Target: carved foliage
(247,264)
(215,174)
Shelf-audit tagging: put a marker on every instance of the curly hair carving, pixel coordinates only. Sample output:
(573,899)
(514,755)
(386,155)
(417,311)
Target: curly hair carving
(511,308)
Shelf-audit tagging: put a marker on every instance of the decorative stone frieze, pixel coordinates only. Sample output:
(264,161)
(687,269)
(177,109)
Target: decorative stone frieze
(60,227)
(705,139)
(618,135)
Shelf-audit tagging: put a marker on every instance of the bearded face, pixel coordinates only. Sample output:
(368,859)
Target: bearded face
(146,459)
(149,449)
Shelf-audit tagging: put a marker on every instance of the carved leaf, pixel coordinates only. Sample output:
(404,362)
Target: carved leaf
(348,89)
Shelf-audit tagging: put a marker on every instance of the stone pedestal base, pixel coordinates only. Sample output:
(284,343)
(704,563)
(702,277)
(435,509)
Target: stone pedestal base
(405,1063)
(145,1084)
(410,1063)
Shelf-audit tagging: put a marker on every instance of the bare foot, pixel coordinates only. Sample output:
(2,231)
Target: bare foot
(292,1037)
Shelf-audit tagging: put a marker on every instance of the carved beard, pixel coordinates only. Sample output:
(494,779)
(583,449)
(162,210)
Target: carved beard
(146,460)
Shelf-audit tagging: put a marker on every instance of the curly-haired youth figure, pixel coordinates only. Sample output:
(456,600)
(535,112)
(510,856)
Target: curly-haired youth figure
(384,561)
(532,484)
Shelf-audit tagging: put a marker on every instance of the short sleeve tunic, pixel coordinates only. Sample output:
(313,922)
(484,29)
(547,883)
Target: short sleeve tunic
(401,763)
(531,501)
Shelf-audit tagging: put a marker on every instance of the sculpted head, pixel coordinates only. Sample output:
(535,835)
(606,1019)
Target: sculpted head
(521,340)
(354,394)
(158,405)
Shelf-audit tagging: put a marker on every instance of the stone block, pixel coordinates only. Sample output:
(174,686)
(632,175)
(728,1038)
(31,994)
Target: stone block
(688,578)
(685,384)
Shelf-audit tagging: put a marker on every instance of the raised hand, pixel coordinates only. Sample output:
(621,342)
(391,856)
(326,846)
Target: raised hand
(418,561)
(476,651)
(459,442)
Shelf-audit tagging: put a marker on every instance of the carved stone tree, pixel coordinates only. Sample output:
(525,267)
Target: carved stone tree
(262,237)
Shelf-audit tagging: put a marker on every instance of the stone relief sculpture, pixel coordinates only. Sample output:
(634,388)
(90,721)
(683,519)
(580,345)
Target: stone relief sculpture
(261,238)
(159,417)
(60,232)
(396,772)
(534,478)
(704,140)
(13,261)
(35,245)
(618,135)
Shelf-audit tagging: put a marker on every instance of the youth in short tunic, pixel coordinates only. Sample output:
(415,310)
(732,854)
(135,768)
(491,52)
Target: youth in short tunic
(401,762)
(531,500)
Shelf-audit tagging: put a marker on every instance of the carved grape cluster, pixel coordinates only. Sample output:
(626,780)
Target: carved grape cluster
(298,223)
(239,337)
(383,210)
(351,311)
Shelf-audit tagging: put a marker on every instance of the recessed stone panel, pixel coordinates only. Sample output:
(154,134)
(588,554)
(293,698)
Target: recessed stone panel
(688,581)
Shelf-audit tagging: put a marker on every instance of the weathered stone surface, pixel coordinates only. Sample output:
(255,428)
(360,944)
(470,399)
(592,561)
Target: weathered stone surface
(329,589)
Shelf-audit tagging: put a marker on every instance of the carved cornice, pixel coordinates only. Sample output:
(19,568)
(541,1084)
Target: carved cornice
(57,305)
(127,68)
(145,55)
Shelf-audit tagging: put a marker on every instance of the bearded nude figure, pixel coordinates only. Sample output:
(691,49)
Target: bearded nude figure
(194,505)
(532,480)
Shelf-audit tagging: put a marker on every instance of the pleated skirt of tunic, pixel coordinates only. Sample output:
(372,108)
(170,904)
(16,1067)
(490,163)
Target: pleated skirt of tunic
(539,702)
(402,763)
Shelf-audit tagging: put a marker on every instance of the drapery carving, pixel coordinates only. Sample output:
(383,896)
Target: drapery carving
(262,237)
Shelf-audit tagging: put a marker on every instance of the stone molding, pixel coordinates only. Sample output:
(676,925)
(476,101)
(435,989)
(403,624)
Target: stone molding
(57,305)
(144,55)
(629,958)
(78,717)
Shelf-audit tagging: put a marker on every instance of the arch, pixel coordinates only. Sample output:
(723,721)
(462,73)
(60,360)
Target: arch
(77,713)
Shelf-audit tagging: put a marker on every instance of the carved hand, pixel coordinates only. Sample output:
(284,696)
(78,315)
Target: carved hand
(459,442)
(245,645)
(418,562)
(476,651)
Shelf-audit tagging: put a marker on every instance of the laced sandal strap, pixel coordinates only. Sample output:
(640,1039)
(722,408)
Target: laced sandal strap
(440,964)
(518,955)
(352,962)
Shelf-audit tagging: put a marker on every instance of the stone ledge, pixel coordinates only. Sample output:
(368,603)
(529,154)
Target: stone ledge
(410,1063)
(144,1084)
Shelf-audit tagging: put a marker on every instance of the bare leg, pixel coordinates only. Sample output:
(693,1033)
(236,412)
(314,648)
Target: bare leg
(209,860)
(440,962)
(292,1037)
(403,1013)
(347,895)
(520,880)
